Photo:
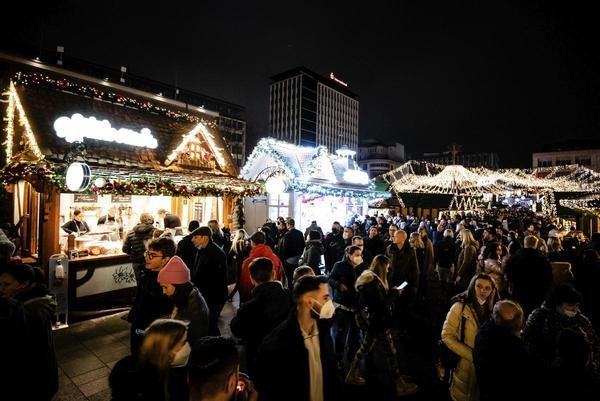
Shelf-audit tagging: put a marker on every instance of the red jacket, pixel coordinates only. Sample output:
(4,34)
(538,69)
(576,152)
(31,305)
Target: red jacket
(259,251)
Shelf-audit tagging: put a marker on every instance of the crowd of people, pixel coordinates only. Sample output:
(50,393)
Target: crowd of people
(510,293)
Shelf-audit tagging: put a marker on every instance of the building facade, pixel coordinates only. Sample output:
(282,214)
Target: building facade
(589,158)
(377,158)
(308,109)
(488,160)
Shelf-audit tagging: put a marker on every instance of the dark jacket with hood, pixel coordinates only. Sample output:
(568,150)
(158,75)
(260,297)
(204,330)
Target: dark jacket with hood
(281,368)
(334,249)
(375,301)
(186,250)
(312,255)
(40,309)
(192,308)
(269,306)
(135,243)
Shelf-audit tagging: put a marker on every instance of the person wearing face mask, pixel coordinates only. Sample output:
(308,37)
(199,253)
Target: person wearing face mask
(560,311)
(342,279)
(157,374)
(189,304)
(296,362)
(375,302)
(366,255)
(469,310)
(334,246)
(209,272)
(347,236)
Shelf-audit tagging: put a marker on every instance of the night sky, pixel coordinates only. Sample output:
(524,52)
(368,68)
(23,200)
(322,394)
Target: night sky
(488,75)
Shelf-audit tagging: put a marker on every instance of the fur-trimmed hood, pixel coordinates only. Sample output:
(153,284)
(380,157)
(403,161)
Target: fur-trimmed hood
(366,277)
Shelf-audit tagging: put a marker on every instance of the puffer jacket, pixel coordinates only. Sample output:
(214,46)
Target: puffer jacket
(312,254)
(464,382)
(375,301)
(192,308)
(135,242)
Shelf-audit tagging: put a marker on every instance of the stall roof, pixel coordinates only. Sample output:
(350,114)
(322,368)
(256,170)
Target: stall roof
(126,140)
(45,99)
(308,169)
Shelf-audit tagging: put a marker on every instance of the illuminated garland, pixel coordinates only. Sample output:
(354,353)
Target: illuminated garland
(35,173)
(297,180)
(419,177)
(150,187)
(64,85)
(319,151)
(30,143)
(238,214)
(589,204)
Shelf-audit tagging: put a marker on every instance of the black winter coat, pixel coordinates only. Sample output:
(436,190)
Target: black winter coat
(501,357)
(281,368)
(186,250)
(344,273)
(209,274)
(40,308)
(192,308)
(312,255)
(150,303)
(135,243)
(292,245)
(269,306)
(376,301)
(334,249)
(404,267)
(530,275)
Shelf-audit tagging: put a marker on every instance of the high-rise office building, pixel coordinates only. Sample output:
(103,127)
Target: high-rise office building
(308,109)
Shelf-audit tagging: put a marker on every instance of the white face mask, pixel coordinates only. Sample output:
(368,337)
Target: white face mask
(182,356)
(327,310)
(357,260)
(345,236)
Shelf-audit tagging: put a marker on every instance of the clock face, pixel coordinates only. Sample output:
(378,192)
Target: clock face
(78,177)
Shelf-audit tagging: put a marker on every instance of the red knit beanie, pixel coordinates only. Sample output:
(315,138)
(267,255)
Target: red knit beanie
(174,272)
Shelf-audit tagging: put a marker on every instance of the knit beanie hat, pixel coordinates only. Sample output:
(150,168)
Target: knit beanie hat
(174,272)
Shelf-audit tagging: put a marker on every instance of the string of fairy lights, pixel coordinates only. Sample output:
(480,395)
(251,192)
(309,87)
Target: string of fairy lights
(464,183)
(67,86)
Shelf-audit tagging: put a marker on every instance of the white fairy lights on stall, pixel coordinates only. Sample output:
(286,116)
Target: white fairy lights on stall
(15,103)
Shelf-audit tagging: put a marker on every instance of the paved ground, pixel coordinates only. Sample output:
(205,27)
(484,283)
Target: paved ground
(87,351)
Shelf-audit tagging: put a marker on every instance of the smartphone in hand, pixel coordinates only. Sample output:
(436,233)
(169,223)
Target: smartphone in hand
(401,286)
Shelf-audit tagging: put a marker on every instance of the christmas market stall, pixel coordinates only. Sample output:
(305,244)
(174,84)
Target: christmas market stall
(74,143)
(306,183)
(476,188)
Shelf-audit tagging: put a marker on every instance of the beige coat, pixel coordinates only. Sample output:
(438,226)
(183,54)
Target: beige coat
(464,383)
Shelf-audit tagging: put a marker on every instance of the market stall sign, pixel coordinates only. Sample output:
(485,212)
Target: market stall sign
(85,198)
(77,127)
(120,198)
(78,177)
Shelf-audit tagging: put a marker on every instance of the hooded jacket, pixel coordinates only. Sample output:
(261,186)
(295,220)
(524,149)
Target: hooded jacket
(375,300)
(135,242)
(259,251)
(312,255)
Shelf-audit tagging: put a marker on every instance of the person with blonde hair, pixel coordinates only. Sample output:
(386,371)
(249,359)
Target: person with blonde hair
(375,317)
(469,310)
(239,251)
(467,260)
(157,373)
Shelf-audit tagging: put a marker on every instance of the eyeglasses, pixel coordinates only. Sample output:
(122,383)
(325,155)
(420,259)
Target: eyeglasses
(151,255)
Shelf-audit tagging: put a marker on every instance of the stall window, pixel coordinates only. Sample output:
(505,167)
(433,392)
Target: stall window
(279,205)
(199,211)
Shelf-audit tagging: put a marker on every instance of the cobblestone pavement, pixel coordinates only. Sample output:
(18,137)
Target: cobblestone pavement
(87,351)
